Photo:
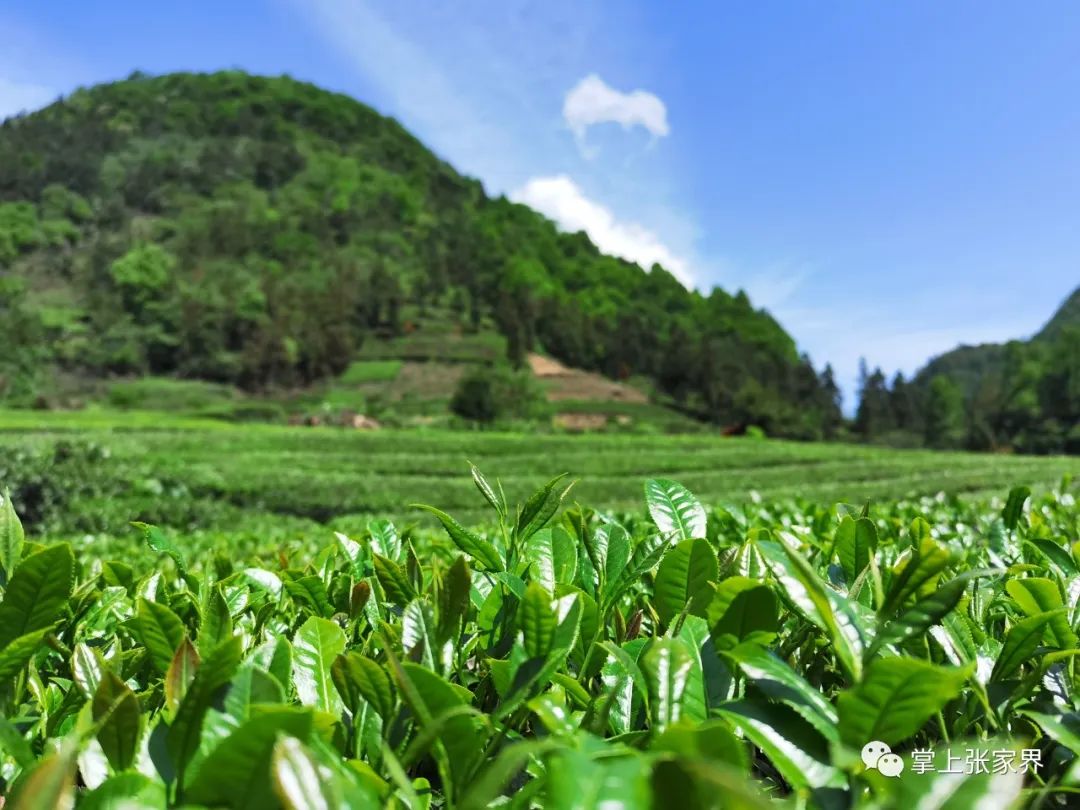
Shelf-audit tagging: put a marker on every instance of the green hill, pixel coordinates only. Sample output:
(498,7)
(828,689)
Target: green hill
(1023,395)
(260,232)
(1066,317)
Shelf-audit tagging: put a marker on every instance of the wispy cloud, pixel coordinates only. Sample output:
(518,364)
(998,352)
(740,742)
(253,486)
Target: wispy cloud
(593,101)
(461,109)
(559,198)
(18,96)
(774,287)
(418,88)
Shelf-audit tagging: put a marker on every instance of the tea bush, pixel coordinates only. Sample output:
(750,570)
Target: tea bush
(557,657)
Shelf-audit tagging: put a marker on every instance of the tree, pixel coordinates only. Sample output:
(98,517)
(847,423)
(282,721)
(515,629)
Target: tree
(944,414)
(874,417)
(144,278)
(142,273)
(20,336)
(903,404)
(832,400)
(487,394)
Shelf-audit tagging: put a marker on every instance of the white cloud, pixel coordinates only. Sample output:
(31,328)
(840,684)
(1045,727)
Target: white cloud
(561,200)
(461,109)
(17,97)
(592,101)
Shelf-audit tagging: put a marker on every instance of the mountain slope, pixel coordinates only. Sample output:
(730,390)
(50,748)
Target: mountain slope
(967,365)
(257,231)
(1067,315)
(1021,394)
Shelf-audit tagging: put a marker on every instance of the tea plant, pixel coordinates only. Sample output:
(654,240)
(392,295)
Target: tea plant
(558,658)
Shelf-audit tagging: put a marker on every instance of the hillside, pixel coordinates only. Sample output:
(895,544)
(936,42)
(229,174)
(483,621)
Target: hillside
(1067,316)
(261,233)
(1023,395)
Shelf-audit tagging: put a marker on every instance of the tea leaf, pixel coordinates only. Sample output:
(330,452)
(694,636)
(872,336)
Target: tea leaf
(682,581)
(895,698)
(36,593)
(674,510)
(316,644)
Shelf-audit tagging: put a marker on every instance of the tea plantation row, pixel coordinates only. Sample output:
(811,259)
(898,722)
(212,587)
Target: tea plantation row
(204,475)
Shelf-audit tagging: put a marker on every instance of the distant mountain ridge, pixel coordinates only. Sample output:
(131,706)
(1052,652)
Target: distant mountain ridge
(1022,394)
(968,364)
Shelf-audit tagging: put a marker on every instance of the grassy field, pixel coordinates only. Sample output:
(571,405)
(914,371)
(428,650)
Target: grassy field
(200,473)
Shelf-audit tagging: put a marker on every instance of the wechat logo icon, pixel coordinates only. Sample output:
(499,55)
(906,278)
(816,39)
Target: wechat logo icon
(876,755)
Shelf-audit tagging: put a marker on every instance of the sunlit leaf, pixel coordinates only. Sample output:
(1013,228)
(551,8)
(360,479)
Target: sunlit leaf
(666,664)
(161,632)
(476,547)
(674,510)
(540,508)
(856,541)
(792,745)
(12,536)
(315,646)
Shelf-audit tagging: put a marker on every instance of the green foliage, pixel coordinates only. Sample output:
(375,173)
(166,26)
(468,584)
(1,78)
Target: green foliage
(19,230)
(259,231)
(488,394)
(20,336)
(944,414)
(682,580)
(1020,395)
(365,371)
(164,394)
(92,472)
(895,698)
(701,656)
(142,272)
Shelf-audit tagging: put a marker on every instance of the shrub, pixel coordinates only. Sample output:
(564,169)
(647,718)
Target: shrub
(487,394)
(164,394)
(366,371)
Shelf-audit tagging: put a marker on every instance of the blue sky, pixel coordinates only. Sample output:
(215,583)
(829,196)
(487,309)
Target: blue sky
(889,179)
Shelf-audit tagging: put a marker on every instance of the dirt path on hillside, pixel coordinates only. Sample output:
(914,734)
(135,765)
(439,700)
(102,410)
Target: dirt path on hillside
(565,383)
(546,367)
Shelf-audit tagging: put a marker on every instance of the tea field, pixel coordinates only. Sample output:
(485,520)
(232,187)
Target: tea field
(321,618)
(199,474)
(668,655)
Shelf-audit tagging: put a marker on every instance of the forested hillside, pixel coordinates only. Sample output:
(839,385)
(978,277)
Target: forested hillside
(1020,395)
(256,231)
